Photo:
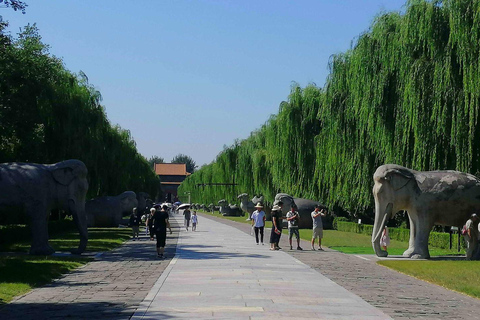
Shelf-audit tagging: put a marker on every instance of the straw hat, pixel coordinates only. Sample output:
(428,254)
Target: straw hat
(275,207)
(259,205)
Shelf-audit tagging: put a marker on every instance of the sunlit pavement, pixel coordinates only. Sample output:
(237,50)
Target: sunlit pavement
(219,272)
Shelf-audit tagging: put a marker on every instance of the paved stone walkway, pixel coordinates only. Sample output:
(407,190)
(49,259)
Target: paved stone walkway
(398,295)
(111,287)
(219,273)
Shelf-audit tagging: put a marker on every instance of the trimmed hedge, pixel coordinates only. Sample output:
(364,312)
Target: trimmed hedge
(437,239)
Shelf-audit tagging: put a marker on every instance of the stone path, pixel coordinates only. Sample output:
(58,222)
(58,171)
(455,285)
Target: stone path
(398,295)
(219,273)
(111,287)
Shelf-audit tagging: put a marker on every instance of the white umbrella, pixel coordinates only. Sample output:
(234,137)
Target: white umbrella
(183,206)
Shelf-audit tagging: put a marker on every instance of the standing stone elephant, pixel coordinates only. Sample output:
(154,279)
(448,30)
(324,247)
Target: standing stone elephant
(246,205)
(304,208)
(142,203)
(445,198)
(108,211)
(36,189)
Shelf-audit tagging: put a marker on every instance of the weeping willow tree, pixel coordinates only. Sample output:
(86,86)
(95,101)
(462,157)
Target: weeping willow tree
(406,93)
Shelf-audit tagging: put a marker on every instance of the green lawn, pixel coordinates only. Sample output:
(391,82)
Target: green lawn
(18,275)
(461,276)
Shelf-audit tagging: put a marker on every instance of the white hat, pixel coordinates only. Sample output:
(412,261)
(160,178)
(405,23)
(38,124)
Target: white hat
(276,207)
(259,205)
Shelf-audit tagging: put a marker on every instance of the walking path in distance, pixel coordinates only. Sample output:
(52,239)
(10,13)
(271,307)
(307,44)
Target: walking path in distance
(219,273)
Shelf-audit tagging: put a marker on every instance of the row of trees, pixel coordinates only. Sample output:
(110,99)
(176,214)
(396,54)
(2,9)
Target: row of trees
(48,114)
(406,93)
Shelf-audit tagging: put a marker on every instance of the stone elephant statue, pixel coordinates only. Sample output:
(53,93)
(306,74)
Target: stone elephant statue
(445,198)
(229,210)
(246,205)
(108,211)
(36,189)
(305,208)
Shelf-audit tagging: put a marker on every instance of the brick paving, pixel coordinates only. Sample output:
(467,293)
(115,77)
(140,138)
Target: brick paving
(398,295)
(111,287)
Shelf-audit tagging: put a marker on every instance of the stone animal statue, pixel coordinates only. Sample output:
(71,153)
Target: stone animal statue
(246,205)
(229,210)
(305,208)
(108,211)
(34,190)
(142,203)
(430,198)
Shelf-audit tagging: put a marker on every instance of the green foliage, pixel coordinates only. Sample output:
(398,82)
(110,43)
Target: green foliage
(155,159)
(406,93)
(182,158)
(336,220)
(48,114)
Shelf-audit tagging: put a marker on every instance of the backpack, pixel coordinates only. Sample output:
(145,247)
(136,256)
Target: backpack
(464,230)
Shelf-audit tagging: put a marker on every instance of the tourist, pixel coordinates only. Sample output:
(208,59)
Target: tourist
(150,221)
(194,221)
(160,224)
(385,239)
(187,215)
(276,233)
(293,218)
(317,231)
(471,236)
(258,221)
(134,223)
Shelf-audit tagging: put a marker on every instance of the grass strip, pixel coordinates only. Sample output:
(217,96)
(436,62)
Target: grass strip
(18,275)
(461,276)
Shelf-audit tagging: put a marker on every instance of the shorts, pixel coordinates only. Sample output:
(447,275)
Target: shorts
(317,232)
(293,231)
(161,238)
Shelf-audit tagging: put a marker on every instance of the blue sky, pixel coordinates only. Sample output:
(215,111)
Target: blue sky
(192,76)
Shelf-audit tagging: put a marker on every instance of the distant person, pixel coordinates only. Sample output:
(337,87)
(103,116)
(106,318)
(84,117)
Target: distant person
(187,214)
(317,231)
(160,224)
(150,221)
(293,218)
(134,223)
(194,221)
(385,239)
(258,222)
(276,233)
(471,236)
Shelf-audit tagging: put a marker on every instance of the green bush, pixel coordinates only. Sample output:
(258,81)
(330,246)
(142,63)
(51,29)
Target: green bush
(336,220)
(436,239)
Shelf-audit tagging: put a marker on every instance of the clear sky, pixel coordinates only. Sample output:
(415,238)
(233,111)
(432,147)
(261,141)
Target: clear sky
(192,76)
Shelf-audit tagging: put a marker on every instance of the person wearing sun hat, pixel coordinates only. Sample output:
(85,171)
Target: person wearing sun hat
(258,221)
(277,217)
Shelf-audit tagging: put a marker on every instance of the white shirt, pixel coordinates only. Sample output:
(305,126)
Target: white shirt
(257,217)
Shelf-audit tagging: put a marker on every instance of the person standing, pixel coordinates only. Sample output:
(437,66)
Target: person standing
(293,217)
(471,236)
(385,239)
(134,223)
(276,233)
(317,215)
(150,222)
(258,221)
(194,221)
(187,215)
(160,224)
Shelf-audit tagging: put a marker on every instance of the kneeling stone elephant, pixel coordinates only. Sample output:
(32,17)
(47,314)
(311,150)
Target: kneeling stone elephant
(445,198)
(36,189)
(108,211)
(304,208)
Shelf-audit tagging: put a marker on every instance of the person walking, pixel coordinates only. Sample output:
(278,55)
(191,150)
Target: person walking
(385,239)
(317,215)
(276,233)
(471,236)
(194,221)
(187,215)
(258,221)
(134,223)
(160,225)
(150,221)
(293,218)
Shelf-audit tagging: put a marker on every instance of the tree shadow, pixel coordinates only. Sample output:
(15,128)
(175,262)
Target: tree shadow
(189,254)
